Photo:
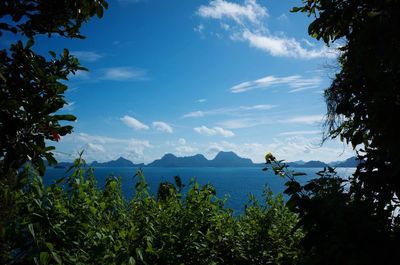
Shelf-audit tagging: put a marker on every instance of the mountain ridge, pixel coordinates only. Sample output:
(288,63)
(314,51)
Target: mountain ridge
(222,159)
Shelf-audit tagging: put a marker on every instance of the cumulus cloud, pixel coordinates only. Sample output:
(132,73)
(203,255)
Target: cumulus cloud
(290,149)
(162,127)
(134,123)
(186,150)
(104,148)
(245,22)
(204,130)
(220,9)
(285,47)
(295,82)
(182,141)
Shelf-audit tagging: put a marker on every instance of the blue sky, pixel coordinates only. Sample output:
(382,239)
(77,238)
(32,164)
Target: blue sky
(189,77)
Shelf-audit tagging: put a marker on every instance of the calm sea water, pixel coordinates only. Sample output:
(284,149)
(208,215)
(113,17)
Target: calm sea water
(235,183)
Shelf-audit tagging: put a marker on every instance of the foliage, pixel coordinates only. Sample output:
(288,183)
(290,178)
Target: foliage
(357,218)
(364,97)
(31,85)
(339,228)
(75,222)
(32,90)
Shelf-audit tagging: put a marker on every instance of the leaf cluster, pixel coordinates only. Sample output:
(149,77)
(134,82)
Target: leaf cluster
(32,86)
(73,221)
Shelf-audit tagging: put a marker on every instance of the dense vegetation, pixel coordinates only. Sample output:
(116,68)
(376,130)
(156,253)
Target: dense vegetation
(75,222)
(331,220)
(357,222)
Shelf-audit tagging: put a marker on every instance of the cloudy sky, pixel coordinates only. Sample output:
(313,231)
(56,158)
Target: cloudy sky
(188,77)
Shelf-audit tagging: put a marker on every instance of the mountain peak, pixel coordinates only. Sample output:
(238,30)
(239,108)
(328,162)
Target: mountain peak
(168,155)
(226,154)
(119,162)
(228,159)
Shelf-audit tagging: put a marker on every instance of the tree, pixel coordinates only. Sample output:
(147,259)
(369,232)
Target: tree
(32,90)
(363,103)
(31,85)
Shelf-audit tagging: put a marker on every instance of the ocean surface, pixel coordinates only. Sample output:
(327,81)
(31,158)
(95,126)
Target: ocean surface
(234,182)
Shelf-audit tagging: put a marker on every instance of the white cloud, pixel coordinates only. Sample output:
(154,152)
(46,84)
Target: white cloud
(257,107)
(194,114)
(244,22)
(228,111)
(162,127)
(289,149)
(298,133)
(295,82)
(285,47)
(220,9)
(186,150)
(134,123)
(123,74)
(283,18)
(306,119)
(88,56)
(95,147)
(201,100)
(244,123)
(213,131)
(103,148)
(182,141)
(199,28)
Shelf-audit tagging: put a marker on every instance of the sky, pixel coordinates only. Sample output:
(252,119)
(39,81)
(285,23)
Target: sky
(189,77)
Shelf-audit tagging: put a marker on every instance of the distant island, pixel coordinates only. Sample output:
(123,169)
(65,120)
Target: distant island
(120,162)
(222,159)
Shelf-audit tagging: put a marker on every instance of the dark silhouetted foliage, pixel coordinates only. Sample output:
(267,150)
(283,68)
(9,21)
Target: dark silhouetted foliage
(32,90)
(356,221)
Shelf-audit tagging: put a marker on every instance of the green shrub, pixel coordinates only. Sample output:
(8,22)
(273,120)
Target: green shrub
(75,222)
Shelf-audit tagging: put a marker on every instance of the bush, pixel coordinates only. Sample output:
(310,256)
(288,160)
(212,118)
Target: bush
(75,222)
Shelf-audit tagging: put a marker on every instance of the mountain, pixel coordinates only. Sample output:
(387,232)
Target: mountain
(310,164)
(350,162)
(230,159)
(299,162)
(170,160)
(313,163)
(120,162)
(222,159)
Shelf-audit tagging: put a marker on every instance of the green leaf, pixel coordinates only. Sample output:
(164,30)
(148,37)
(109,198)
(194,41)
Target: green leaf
(56,258)
(99,11)
(66,117)
(32,231)
(131,261)
(44,257)
(139,253)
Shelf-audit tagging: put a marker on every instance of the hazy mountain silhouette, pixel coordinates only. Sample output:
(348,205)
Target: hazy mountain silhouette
(222,159)
(120,162)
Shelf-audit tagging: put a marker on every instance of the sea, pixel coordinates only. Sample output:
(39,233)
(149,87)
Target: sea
(233,183)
